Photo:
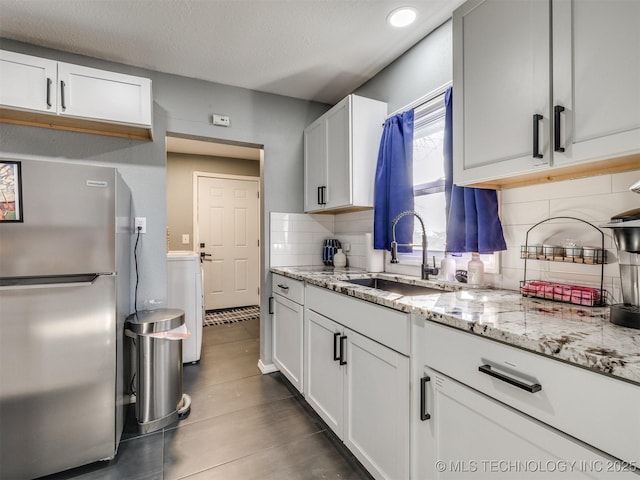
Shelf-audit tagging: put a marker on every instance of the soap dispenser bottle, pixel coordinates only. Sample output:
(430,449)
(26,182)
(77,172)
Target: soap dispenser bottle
(339,259)
(475,270)
(448,268)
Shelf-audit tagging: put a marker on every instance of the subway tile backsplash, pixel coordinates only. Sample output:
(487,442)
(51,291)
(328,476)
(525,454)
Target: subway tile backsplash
(593,199)
(350,229)
(296,239)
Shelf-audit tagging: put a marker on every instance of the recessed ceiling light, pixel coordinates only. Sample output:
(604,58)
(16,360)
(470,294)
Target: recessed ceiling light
(401,17)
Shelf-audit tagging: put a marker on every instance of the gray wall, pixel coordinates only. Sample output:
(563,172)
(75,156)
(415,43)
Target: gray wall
(180,168)
(181,105)
(423,68)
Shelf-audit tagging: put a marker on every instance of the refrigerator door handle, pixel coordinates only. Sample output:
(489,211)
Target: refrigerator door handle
(64,281)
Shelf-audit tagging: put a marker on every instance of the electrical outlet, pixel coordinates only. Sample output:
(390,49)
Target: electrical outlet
(185,239)
(140,225)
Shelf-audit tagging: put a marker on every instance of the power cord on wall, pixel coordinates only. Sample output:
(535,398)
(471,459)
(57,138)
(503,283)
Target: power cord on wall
(135,256)
(132,385)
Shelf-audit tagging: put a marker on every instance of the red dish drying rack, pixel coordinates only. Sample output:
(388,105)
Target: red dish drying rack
(561,292)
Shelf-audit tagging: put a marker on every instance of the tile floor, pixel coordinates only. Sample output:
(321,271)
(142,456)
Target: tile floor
(242,425)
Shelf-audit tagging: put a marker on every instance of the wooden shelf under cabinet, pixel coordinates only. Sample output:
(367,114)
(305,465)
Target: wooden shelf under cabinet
(57,122)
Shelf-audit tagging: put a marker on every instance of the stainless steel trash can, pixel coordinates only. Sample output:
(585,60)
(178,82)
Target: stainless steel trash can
(158,369)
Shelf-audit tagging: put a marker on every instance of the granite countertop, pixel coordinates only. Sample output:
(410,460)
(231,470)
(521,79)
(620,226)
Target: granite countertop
(579,335)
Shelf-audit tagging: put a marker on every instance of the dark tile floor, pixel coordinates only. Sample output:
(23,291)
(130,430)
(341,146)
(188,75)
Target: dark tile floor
(242,425)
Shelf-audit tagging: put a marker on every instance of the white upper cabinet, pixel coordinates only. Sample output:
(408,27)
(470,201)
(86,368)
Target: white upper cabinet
(339,160)
(100,95)
(536,100)
(27,83)
(340,155)
(596,81)
(45,93)
(315,167)
(505,79)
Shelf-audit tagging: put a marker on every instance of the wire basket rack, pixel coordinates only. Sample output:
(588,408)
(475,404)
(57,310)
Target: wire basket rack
(561,292)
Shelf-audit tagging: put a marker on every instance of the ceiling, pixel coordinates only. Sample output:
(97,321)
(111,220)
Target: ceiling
(318,50)
(209,148)
(310,49)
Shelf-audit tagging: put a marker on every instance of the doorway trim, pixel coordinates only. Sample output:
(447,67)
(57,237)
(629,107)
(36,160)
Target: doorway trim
(196,226)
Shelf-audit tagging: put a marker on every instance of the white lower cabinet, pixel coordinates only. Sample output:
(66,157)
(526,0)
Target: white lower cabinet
(470,424)
(471,435)
(324,388)
(376,396)
(360,388)
(288,324)
(288,339)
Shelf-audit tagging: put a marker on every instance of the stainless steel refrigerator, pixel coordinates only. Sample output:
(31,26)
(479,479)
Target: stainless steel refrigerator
(65,249)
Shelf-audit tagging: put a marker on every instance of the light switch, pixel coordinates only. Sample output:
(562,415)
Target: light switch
(185,239)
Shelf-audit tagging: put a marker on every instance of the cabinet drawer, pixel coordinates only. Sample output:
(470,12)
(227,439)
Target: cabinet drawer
(384,325)
(288,288)
(597,409)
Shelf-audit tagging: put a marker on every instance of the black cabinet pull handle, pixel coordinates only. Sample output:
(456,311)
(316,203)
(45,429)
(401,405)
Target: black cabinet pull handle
(336,357)
(533,388)
(536,135)
(62,102)
(283,287)
(343,339)
(49,82)
(423,398)
(270,305)
(319,197)
(557,110)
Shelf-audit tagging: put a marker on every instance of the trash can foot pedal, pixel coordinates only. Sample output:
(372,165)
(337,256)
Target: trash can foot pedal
(185,406)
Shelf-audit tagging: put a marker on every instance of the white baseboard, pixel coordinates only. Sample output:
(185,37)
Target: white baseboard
(270,368)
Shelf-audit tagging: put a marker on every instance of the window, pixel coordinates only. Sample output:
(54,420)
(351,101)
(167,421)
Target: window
(428,185)
(428,172)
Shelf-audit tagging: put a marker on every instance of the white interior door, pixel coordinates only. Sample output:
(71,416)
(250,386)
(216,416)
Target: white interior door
(228,228)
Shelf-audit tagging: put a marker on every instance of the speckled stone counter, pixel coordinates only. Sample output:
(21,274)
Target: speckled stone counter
(579,335)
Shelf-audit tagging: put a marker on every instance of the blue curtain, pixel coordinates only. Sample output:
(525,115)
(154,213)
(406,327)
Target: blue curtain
(473,224)
(394,182)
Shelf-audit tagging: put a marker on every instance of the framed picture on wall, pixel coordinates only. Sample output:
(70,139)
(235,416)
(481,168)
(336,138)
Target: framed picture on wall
(10,191)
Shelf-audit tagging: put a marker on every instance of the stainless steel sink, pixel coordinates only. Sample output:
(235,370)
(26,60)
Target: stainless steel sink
(405,289)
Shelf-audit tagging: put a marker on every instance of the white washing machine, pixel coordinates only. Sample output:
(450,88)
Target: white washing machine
(185,291)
